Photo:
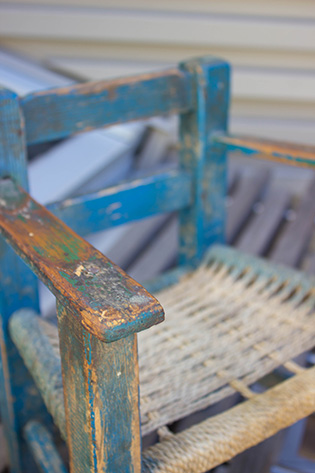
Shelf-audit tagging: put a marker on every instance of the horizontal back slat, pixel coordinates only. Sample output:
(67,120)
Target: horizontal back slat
(58,113)
(289,153)
(123,203)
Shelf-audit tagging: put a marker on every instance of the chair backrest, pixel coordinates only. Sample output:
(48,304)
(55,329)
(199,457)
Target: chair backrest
(198,91)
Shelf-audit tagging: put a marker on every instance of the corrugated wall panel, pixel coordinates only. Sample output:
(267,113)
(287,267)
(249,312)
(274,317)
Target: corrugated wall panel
(271,45)
(274,8)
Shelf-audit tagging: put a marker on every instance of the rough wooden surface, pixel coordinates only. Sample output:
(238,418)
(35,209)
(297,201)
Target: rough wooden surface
(249,189)
(18,287)
(3,450)
(101,389)
(274,150)
(202,223)
(271,213)
(290,249)
(75,272)
(133,200)
(82,107)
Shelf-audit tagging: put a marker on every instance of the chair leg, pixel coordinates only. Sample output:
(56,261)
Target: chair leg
(101,390)
(19,399)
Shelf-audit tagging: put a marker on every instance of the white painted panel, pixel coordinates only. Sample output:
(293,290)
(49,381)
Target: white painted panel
(24,77)
(70,164)
(50,50)
(268,8)
(157,27)
(247,83)
(282,84)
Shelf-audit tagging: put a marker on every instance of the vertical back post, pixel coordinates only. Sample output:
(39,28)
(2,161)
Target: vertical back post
(101,389)
(203,223)
(19,399)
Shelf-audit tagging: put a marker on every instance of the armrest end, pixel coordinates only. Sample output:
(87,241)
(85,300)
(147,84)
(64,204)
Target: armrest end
(109,303)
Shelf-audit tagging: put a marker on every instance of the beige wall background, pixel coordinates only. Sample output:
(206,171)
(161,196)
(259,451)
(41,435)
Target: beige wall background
(270,43)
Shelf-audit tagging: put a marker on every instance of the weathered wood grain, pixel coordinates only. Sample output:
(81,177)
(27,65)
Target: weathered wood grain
(107,301)
(310,269)
(162,251)
(289,153)
(3,450)
(125,202)
(154,148)
(82,107)
(290,248)
(202,223)
(101,389)
(19,398)
(138,236)
(249,187)
(291,458)
(261,230)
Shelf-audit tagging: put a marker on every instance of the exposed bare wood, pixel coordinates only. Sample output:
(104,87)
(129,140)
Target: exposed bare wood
(275,150)
(74,271)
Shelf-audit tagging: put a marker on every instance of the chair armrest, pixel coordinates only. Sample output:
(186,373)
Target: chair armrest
(110,304)
(290,153)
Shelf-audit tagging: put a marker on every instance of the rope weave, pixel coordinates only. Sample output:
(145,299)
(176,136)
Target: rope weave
(225,328)
(219,438)
(228,324)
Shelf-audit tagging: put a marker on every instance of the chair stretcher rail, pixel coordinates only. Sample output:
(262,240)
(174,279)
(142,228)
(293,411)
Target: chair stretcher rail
(109,303)
(131,200)
(42,446)
(289,153)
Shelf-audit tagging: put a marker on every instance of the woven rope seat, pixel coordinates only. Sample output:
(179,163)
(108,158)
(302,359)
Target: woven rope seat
(228,323)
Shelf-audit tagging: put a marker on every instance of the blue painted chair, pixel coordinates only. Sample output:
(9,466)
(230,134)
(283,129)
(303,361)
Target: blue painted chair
(230,318)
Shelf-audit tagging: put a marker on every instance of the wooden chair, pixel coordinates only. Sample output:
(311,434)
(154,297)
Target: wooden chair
(230,318)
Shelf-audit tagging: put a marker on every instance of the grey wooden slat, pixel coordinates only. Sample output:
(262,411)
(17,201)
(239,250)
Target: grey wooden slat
(290,457)
(262,228)
(257,459)
(281,469)
(293,440)
(310,269)
(233,174)
(249,188)
(161,167)
(126,251)
(3,451)
(159,256)
(299,465)
(293,243)
(154,148)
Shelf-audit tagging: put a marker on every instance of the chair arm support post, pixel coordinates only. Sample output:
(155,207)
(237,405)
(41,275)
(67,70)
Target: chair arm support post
(203,222)
(19,399)
(101,390)
(107,302)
